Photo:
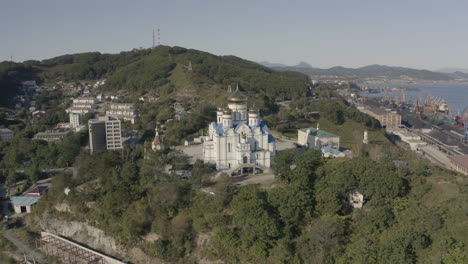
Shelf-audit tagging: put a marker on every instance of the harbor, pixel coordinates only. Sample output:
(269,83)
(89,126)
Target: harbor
(426,124)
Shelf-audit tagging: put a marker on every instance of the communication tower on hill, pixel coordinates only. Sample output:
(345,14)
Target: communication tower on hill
(156,37)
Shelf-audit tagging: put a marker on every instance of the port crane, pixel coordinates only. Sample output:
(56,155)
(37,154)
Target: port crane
(465,123)
(417,109)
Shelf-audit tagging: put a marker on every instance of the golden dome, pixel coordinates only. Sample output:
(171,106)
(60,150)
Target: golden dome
(237,97)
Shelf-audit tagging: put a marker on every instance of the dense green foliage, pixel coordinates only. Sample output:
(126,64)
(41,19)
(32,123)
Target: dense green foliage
(11,75)
(24,158)
(305,218)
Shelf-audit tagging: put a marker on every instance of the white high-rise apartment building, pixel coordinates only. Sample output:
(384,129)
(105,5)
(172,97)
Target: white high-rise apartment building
(104,133)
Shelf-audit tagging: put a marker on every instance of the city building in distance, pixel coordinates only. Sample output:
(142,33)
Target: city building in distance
(387,118)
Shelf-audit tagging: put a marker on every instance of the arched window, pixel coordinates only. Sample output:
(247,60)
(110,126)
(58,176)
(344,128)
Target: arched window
(229,147)
(245,159)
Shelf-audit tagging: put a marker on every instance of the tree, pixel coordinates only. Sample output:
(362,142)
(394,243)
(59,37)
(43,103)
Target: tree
(282,163)
(252,214)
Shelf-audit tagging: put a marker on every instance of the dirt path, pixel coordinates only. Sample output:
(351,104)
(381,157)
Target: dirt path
(24,248)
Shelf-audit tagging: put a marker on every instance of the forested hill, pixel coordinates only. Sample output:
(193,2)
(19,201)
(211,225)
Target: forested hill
(161,68)
(372,71)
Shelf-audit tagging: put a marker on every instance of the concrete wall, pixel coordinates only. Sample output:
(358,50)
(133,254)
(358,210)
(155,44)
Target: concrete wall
(18,209)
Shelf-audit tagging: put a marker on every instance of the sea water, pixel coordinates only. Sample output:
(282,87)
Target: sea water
(454,94)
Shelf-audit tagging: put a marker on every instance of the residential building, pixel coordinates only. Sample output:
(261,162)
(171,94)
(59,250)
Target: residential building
(97,135)
(125,111)
(317,138)
(85,101)
(459,163)
(25,203)
(83,105)
(6,134)
(386,117)
(75,120)
(104,133)
(51,135)
(239,141)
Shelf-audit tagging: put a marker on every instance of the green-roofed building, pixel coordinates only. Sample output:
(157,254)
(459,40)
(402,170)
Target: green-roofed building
(317,138)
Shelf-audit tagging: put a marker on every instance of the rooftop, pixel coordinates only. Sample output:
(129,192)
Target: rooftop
(23,200)
(318,132)
(380,111)
(52,133)
(37,191)
(5,130)
(461,160)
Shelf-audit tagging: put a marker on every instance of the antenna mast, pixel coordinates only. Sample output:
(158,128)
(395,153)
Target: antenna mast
(159,36)
(153,37)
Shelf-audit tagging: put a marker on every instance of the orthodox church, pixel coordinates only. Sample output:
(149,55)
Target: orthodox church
(239,139)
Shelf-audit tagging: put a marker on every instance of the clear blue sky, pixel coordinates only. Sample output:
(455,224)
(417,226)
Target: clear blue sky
(415,33)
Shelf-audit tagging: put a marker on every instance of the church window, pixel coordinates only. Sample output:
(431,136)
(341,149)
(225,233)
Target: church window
(229,165)
(229,147)
(245,159)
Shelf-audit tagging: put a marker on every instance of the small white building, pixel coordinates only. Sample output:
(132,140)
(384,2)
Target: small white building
(317,138)
(356,198)
(23,204)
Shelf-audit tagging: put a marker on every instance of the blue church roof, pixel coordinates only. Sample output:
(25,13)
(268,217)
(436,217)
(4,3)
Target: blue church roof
(271,139)
(220,130)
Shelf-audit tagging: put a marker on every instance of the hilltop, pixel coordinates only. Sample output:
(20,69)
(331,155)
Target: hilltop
(164,70)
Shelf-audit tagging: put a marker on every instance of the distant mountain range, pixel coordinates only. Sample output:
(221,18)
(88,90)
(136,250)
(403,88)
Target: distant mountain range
(452,70)
(377,71)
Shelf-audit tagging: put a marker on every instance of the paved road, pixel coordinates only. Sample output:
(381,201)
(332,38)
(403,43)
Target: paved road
(24,248)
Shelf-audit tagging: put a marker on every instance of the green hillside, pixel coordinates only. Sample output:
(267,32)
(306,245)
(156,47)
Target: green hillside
(162,70)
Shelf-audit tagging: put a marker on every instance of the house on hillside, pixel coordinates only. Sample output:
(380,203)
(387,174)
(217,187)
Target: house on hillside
(356,198)
(25,203)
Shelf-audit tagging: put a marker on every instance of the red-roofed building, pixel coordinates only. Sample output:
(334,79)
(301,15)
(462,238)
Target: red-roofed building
(37,191)
(157,143)
(459,164)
